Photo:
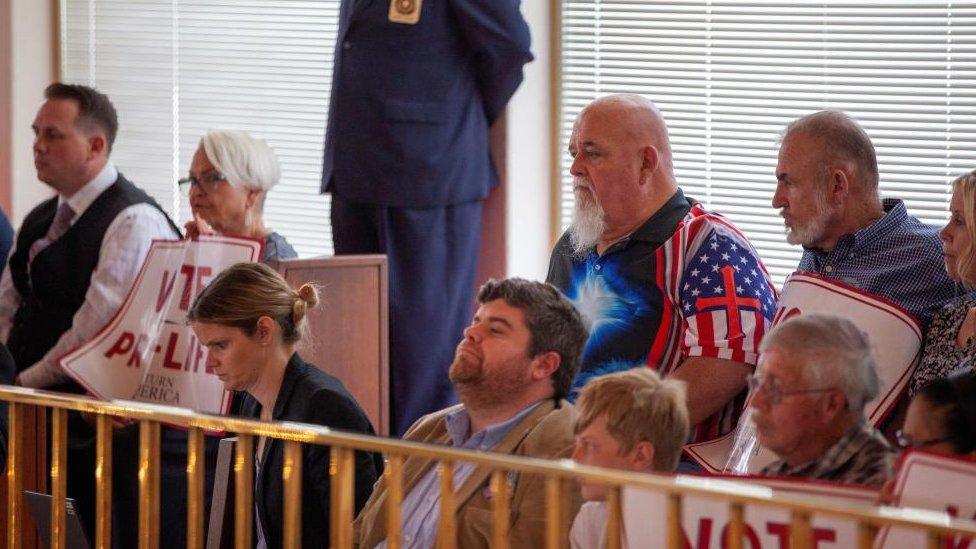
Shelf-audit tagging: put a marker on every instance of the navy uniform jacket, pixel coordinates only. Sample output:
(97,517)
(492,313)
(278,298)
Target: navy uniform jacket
(411,104)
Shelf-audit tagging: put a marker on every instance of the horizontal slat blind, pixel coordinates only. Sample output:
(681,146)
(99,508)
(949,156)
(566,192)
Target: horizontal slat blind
(730,75)
(177,69)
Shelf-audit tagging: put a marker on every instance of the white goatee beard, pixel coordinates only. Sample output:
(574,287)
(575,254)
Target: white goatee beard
(589,223)
(809,234)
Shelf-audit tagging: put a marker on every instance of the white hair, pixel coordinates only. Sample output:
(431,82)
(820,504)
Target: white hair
(832,351)
(243,160)
(589,221)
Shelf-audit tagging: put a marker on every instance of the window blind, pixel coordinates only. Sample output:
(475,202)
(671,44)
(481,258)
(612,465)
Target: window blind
(175,69)
(729,76)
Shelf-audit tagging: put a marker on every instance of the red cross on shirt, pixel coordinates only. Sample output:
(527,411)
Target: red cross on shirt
(730,301)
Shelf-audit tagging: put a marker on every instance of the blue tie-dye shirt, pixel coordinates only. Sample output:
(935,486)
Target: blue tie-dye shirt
(687,283)
(616,292)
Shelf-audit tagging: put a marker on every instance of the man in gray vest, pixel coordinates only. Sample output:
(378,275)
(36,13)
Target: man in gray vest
(77,253)
(75,257)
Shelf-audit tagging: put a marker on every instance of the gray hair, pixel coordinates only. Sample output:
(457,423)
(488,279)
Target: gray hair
(832,351)
(244,160)
(841,138)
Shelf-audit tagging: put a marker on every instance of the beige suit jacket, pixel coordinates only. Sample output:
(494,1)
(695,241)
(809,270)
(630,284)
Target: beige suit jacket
(547,432)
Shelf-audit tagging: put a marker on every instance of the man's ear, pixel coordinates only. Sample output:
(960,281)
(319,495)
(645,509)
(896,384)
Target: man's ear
(835,405)
(643,459)
(838,184)
(650,159)
(97,145)
(544,365)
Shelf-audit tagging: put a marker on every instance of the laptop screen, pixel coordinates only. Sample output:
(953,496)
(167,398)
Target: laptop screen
(40,508)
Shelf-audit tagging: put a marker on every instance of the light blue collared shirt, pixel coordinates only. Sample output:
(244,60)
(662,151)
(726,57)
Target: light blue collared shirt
(420,510)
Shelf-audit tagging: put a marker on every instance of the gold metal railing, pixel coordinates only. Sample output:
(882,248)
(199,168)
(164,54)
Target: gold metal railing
(341,469)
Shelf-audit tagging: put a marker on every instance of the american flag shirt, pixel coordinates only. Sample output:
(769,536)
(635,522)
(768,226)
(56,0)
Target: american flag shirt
(685,284)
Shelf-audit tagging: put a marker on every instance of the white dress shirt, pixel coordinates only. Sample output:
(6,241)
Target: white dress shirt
(589,530)
(124,247)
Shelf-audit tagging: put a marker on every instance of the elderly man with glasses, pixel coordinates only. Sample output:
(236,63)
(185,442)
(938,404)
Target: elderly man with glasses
(814,378)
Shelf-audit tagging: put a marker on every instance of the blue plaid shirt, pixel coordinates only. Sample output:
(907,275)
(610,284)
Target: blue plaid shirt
(898,258)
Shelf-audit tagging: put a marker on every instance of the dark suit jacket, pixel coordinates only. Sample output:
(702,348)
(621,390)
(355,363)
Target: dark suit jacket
(308,395)
(547,432)
(411,104)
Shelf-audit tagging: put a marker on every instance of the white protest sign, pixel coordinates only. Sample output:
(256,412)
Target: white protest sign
(937,483)
(705,521)
(896,338)
(147,352)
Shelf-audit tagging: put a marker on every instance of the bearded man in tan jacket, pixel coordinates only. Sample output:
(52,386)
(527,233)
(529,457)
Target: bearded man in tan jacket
(512,371)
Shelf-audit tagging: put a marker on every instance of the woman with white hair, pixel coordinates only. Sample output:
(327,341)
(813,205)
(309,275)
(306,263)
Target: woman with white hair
(230,176)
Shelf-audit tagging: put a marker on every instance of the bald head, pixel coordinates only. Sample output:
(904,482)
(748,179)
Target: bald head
(622,171)
(637,120)
(838,138)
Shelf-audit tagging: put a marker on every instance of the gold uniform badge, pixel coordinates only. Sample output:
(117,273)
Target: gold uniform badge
(405,11)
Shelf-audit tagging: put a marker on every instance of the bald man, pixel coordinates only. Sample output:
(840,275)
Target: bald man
(827,192)
(659,281)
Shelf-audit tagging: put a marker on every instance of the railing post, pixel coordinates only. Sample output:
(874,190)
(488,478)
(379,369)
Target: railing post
(555,530)
(342,471)
(195,466)
(394,484)
(243,491)
(15,474)
(866,533)
(291,476)
(614,520)
(148,484)
(447,528)
(103,481)
(736,525)
(501,514)
(675,536)
(59,462)
(801,530)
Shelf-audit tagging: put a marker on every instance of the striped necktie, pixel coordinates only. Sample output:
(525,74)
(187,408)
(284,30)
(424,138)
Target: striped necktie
(62,220)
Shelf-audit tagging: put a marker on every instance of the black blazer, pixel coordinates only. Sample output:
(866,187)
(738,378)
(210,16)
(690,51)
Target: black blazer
(308,395)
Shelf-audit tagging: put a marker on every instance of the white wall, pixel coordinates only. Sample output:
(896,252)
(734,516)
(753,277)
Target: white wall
(33,70)
(529,152)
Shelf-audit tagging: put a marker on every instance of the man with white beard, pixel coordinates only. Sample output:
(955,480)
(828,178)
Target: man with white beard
(827,192)
(659,281)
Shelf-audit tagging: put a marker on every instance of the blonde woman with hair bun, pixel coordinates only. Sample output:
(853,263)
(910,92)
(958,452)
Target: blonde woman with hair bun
(950,342)
(250,321)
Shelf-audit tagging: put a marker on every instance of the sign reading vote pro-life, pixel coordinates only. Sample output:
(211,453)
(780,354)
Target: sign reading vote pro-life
(147,352)
(895,337)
